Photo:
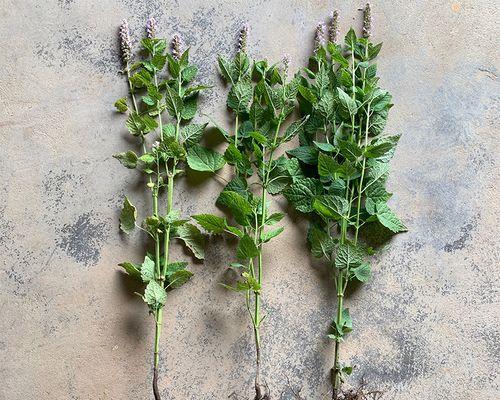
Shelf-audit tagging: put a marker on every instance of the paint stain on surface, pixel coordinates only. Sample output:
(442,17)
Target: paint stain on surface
(82,240)
(456,7)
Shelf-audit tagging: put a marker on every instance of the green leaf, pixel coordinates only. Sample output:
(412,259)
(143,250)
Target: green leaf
(239,97)
(307,94)
(179,278)
(382,147)
(174,267)
(189,73)
(387,218)
(211,223)
(306,154)
(331,206)
(193,239)
(128,216)
(302,192)
(349,150)
(246,248)
(351,39)
(327,166)
(148,270)
(128,159)
(147,158)
(349,255)
(192,133)
(134,270)
(362,273)
(121,105)
(347,102)
(322,245)
(373,50)
(336,55)
(140,124)
(226,69)
(239,206)
(274,218)
(326,147)
(294,129)
(189,108)
(155,295)
(202,159)
(267,236)
(173,102)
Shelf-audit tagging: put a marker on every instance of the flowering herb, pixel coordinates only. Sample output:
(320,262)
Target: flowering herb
(344,165)
(261,98)
(152,94)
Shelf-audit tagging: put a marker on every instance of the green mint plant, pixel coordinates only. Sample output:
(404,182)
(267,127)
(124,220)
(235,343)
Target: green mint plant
(160,104)
(261,99)
(344,164)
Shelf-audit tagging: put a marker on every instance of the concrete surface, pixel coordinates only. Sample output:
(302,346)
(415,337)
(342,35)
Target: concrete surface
(70,327)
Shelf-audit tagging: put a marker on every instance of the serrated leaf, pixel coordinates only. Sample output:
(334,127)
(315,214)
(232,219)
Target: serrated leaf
(178,278)
(306,154)
(331,206)
(155,295)
(267,236)
(193,239)
(274,218)
(132,269)
(387,218)
(202,159)
(226,68)
(302,192)
(307,94)
(322,245)
(173,102)
(148,269)
(239,206)
(246,248)
(362,273)
(239,97)
(327,166)
(128,216)
(121,105)
(211,223)
(349,255)
(189,108)
(189,73)
(128,159)
(347,102)
(193,133)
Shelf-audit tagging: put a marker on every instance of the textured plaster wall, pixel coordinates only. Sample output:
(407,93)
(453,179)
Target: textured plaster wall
(426,327)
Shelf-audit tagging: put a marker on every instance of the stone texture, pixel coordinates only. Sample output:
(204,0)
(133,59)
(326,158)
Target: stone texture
(71,327)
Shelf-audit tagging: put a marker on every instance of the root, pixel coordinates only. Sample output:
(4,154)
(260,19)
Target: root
(262,392)
(156,392)
(359,393)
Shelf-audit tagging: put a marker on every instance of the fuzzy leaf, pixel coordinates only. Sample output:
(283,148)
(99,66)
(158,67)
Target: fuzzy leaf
(179,278)
(387,218)
(362,273)
(202,159)
(322,244)
(121,105)
(193,239)
(189,108)
(134,270)
(189,73)
(306,154)
(347,102)
(331,206)
(302,192)
(155,295)
(173,102)
(128,159)
(267,236)
(246,248)
(148,269)
(192,133)
(239,206)
(211,223)
(128,216)
(239,97)
(274,218)
(349,255)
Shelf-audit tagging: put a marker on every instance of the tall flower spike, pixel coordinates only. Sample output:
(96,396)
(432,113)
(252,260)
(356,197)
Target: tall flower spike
(125,42)
(286,63)
(319,36)
(242,39)
(151,28)
(367,21)
(333,28)
(176,47)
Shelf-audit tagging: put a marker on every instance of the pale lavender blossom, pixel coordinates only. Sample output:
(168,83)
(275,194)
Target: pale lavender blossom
(319,36)
(242,39)
(176,47)
(367,21)
(151,28)
(125,42)
(333,27)
(286,63)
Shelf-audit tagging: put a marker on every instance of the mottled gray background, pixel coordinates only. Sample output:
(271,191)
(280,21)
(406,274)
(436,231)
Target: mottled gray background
(70,327)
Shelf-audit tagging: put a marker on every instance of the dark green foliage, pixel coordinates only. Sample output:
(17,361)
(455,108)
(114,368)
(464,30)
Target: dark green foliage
(343,164)
(161,88)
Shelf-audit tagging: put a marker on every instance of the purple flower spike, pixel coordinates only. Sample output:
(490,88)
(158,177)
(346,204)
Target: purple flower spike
(125,42)
(151,28)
